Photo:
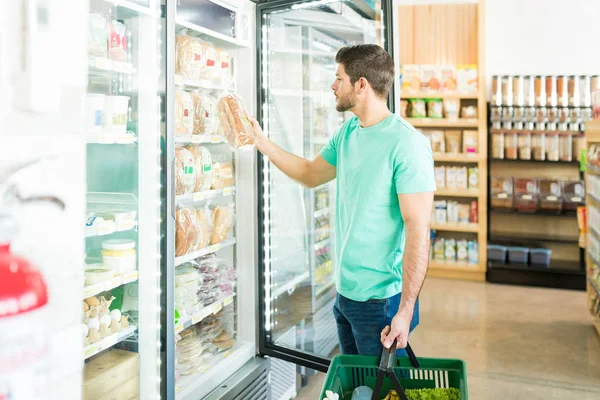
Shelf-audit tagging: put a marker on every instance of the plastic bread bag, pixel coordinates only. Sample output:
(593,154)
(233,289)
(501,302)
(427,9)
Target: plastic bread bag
(206,227)
(189,57)
(235,122)
(222,172)
(186,231)
(98,36)
(206,119)
(209,70)
(185,175)
(224,66)
(184,119)
(202,167)
(223,216)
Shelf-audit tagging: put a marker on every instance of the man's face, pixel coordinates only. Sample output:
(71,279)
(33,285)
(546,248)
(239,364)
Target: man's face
(346,98)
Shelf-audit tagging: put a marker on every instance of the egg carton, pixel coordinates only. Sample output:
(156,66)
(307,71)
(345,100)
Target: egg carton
(99,320)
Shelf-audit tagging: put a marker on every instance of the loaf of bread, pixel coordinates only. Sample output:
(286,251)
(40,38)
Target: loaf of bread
(186,231)
(235,122)
(185,171)
(205,227)
(202,167)
(206,120)
(210,70)
(184,121)
(223,217)
(224,67)
(189,57)
(222,175)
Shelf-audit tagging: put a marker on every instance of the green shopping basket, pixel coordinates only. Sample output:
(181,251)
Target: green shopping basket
(348,372)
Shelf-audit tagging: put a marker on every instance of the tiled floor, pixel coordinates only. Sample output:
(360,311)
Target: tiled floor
(519,343)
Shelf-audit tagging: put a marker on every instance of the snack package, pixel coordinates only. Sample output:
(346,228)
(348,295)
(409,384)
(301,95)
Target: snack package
(466,78)
(435,108)
(448,78)
(210,70)
(117,43)
(185,175)
(206,119)
(189,57)
(440,177)
(474,178)
(411,78)
(469,112)
(451,177)
(461,178)
(438,142)
(452,212)
(97,36)
(473,252)
(416,108)
(235,122)
(438,249)
(430,78)
(184,118)
(451,107)
(441,211)
(470,142)
(222,173)
(453,141)
(206,227)
(450,250)
(202,167)
(462,253)
(464,211)
(223,217)
(403,108)
(186,231)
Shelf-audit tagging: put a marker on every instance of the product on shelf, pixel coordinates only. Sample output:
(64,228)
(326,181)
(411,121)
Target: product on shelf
(416,108)
(464,216)
(448,78)
(451,108)
(411,78)
(206,119)
(579,145)
(110,375)
(235,121)
(438,249)
(453,141)
(573,194)
(114,116)
(403,108)
(189,56)
(224,65)
(474,212)
(186,231)
(438,142)
(467,78)
(223,217)
(470,142)
(502,193)
(97,273)
(184,113)
(187,285)
(192,356)
(451,177)
(119,255)
(117,44)
(100,320)
(210,70)
(518,255)
(202,161)
(97,36)
(474,178)
(511,145)
(550,194)
(462,250)
(540,257)
(593,156)
(441,211)
(222,173)
(524,140)
(538,144)
(206,227)
(469,112)
(473,251)
(452,208)
(429,78)
(462,178)
(450,250)
(565,150)
(435,108)
(526,193)
(94,110)
(440,177)
(497,253)
(185,175)
(498,145)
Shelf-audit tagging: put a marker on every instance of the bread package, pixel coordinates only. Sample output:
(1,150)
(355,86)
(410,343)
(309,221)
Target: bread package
(189,57)
(209,67)
(235,121)
(186,234)
(223,217)
(224,65)
(184,120)
(202,167)
(222,173)
(185,175)
(206,120)
(205,227)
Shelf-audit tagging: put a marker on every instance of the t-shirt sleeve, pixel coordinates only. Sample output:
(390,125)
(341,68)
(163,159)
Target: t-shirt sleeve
(329,151)
(413,171)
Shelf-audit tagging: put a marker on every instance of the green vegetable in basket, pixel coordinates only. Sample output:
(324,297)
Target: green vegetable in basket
(428,394)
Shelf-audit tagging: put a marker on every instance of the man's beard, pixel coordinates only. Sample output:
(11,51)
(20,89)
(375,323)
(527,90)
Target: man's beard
(345,103)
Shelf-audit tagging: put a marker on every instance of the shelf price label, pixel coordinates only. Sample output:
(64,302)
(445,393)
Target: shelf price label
(216,139)
(217,307)
(91,350)
(227,191)
(199,316)
(89,291)
(130,277)
(228,301)
(178,327)
(198,196)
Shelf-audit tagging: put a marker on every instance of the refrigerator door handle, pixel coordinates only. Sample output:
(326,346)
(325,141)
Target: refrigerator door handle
(173,202)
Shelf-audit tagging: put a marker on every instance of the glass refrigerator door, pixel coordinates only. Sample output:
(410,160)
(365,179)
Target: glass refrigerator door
(121,301)
(298,47)
(212,189)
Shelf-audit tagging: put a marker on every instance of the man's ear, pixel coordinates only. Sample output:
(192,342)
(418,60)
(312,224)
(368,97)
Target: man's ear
(362,84)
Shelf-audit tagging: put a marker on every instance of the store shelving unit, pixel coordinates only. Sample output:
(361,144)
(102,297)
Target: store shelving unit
(592,172)
(422,31)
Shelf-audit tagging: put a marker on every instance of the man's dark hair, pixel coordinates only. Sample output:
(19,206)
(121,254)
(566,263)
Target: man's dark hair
(371,62)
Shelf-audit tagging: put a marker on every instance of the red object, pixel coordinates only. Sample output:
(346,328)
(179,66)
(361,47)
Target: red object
(474,212)
(22,286)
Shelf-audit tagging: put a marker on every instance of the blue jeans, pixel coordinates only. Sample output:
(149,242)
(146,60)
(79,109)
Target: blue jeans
(359,324)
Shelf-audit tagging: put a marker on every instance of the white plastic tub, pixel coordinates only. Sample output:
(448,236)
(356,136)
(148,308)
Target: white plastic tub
(115,114)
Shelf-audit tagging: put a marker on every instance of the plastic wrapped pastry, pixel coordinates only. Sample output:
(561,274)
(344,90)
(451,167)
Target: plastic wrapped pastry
(189,57)
(223,217)
(184,119)
(222,173)
(185,175)
(205,227)
(235,122)
(186,235)
(202,167)
(206,120)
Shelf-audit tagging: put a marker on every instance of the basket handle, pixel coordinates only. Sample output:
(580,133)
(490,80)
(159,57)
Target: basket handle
(386,368)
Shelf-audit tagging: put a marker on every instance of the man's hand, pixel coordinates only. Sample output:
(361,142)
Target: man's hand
(399,330)
(260,138)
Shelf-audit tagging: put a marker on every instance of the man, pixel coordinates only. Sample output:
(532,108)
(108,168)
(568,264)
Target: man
(385,186)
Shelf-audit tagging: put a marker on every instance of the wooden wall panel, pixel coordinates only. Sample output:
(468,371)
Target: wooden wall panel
(438,34)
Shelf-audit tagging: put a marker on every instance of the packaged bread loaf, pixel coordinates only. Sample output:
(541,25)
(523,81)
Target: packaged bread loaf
(206,227)
(224,65)
(185,52)
(206,120)
(186,234)
(184,120)
(223,217)
(185,175)
(222,173)
(209,68)
(235,122)
(202,167)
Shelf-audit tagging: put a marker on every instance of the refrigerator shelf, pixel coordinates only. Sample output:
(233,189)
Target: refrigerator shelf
(313,53)
(200,84)
(132,6)
(322,212)
(106,138)
(110,228)
(108,342)
(200,139)
(203,313)
(92,290)
(202,252)
(291,285)
(201,196)
(208,32)
(105,64)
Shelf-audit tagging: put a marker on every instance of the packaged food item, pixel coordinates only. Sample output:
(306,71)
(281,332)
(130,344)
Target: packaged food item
(562,93)
(448,78)
(440,177)
(206,227)
(451,107)
(224,65)
(518,90)
(403,108)
(469,112)
(451,177)
(551,91)
(202,168)
(450,250)
(223,216)
(206,119)
(453,141)
(552,146)
(416,108)
(538,144)
(524,139)
(474,212)
(427,134)
(438,249)
(441,211)
(94,109)
(462,254)
(565,147)
(573,194)
(435,108)
(463,214)
(235,122)
(502,193)
(453,212)
(185,174)
(114,116)
(511,145)
(529,83)
(474,178)
(550,196)
(467,78)
(496,91)
(119,255)
(411,78)
(507,90)
(189,56)
(579,146)
(526,194)
(438,142)
(430,78)
(473,250)
(573,91)
(222,172)
(184,117)
(186,231)
(117,44)
(210,70)
(461,178)
(498,145)
(470,142)
(97,36)
(540,90)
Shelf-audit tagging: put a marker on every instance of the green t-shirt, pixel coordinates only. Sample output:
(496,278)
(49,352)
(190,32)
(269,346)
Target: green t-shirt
(374,165)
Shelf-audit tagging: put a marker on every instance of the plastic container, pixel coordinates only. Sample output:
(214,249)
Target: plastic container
(518,255)
(496,253)
(550,195)
(511,145)
(115,114)
(94,109)
(526,194)
(524,145)
(97,273)
(538,144)
(119,255)
(565,148)
(552,147)
(573,194)
(498,145)
(502,193)
(540,257)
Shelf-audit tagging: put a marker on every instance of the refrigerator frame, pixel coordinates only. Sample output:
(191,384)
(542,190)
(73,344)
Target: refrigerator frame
(266,348)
